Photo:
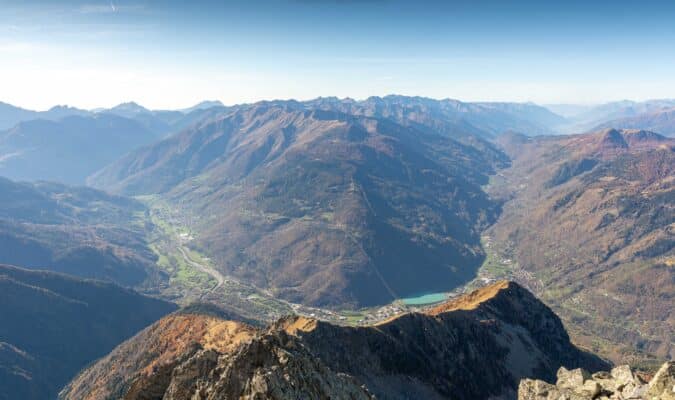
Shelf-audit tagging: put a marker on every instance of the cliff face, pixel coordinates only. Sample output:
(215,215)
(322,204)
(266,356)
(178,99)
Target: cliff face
(274,366)
(478,346)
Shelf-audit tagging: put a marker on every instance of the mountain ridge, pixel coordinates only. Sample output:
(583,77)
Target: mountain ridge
(406,356)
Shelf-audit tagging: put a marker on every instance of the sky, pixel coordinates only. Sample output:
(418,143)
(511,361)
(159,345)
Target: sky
(173,54)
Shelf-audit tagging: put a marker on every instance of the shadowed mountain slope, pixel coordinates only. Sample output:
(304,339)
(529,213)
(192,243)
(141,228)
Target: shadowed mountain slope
(319,206)
(448,353)
(53,325)
(75,230)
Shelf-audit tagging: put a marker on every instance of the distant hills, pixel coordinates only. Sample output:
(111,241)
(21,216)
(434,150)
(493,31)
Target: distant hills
(654,115)
(204,105)
(70,149)
(662,121)
(11,115)
(588,225)
(54,325)
(66,144)
(449,116)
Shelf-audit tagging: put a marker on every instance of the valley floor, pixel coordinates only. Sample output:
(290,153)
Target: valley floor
(193,277)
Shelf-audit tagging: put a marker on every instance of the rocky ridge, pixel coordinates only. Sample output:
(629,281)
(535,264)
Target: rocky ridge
(476,347)
(618,384)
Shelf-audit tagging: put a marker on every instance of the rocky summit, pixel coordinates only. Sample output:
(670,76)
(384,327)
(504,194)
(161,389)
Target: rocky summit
(477,346)
(618,384)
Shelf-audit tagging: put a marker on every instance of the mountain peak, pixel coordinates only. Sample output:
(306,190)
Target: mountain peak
(640,135)
(204,105)
(59,107)
(611,139)
(474,299)
(295,324)
(130,106)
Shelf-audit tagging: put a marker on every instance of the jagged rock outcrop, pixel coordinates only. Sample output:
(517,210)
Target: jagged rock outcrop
(618,384)
(477,346)
(271,367)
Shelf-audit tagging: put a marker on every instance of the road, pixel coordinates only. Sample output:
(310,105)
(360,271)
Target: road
(220,279)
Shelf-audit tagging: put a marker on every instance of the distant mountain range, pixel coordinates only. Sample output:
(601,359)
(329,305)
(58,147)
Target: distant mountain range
(449,116)
(654,115)
(662,121)
(66,144)
(475,347)
(70,149)
(54,325)
(11,115)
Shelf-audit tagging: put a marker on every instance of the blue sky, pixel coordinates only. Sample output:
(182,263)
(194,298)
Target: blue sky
(171,54)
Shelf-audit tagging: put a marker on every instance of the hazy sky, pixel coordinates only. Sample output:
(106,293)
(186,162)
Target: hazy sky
(171,54)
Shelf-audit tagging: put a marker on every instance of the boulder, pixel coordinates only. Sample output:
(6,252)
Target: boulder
(662,385)
(572,379)
(624,374)
(534,389)
(621,383)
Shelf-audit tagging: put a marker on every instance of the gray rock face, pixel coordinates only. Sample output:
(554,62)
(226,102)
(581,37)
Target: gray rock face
(619,384)
(275,367)
(662,386)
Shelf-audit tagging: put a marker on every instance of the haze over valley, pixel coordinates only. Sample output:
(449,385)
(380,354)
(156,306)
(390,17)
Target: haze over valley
(348,210)
(289,200)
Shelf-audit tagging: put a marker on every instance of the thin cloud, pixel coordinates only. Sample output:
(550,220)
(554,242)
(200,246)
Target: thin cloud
(17,47)
(109,8)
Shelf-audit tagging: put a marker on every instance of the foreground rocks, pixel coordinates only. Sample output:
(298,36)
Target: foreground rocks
(619,384)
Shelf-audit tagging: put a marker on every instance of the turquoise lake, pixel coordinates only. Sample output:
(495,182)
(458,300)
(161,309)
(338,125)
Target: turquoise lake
(425,299)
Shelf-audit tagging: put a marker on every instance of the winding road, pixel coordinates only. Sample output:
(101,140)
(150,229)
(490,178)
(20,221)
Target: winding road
(220,279)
